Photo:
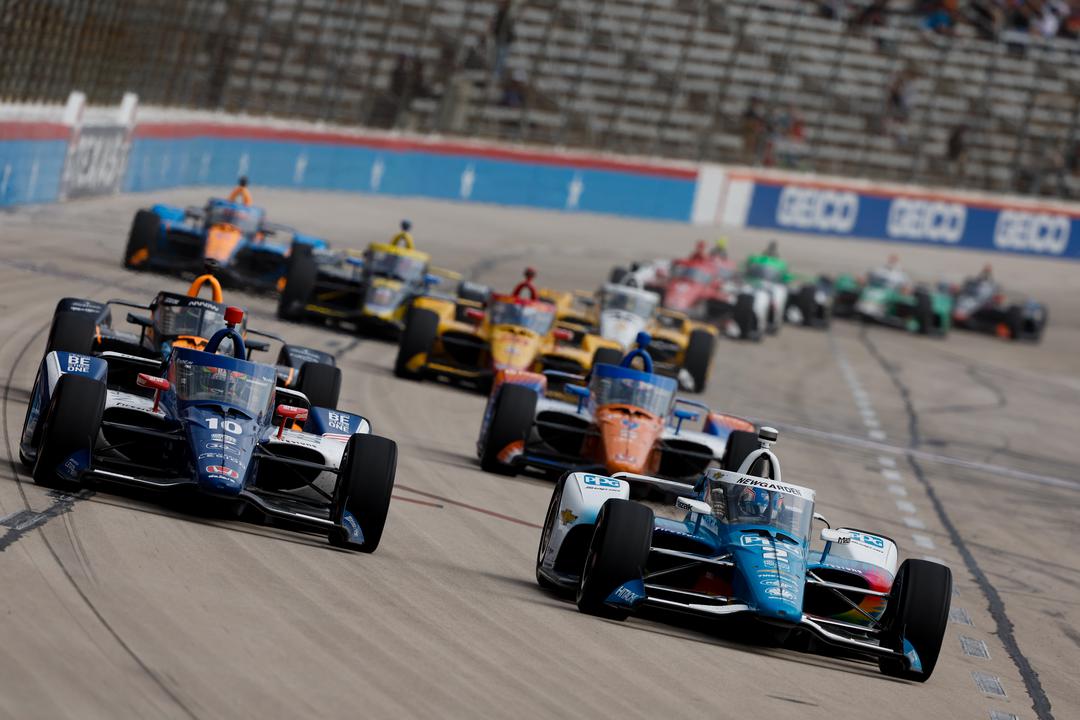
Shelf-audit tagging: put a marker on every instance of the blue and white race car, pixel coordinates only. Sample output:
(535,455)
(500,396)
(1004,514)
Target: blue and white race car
(230,240)
(738,543)
(214,422)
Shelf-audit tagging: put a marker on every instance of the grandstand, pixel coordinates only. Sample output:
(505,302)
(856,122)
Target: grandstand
(741,81)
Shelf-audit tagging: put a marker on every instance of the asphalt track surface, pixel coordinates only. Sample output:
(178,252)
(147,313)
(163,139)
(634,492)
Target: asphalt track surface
(964,450)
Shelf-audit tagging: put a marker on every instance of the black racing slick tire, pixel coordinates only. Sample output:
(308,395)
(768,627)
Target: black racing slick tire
(364,487)
(607,356)
(73,332)
(698,358)
(917,611)
(71,423)
(511,422)
(144,232)
(807,305)
(1014,321)
(745,318)
(421,329)
(617,275)
(739,445)
(300,276)
(617,554)
(321,383)
(924,313)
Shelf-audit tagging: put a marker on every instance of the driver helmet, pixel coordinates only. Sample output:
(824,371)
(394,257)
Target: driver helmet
(720,247)
(772,249)
(753,502)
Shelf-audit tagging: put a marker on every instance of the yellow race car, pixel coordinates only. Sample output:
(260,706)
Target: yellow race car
(618,312)
(469,339)
(370,292)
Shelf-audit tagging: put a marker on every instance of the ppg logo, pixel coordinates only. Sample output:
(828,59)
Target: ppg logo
(831,211)
(1031,232)
(926,220)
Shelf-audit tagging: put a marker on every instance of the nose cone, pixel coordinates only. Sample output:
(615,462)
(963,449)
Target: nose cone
(771,577)
(221,240)
(383,297)
(513,348)
(221,447)
(627,439)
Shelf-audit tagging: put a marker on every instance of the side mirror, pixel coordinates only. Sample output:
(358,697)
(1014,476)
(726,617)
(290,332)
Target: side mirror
(695,506)
(431,280)
(157,383)
(290,412)
(819,516)
(139,320)
(580,392)
(841,537)
(682,415)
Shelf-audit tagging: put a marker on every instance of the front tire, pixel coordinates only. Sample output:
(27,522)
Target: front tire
(617,554)
(739,445)
(71,425)
(421,329)
(745,318)
(364,487)
(511,422)
(321,383)
(917,611)
(607,356)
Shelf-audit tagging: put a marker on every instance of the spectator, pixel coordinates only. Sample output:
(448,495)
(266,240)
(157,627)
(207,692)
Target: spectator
(956,150)
(502,35)
(755,129)
(898,106)
(987,17)
(790,137)
(399,77)
(514,90)
(873,15)
(942,17)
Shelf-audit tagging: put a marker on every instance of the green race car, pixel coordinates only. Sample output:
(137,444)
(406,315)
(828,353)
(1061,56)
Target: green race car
(887,296)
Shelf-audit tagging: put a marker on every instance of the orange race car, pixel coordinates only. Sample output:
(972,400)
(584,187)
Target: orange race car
(625,419)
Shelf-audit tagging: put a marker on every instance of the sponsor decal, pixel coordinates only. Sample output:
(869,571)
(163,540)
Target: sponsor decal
(602,483)
(339,421)
(221,438)
(567,516)
(339,437)
(933,221)
(1035,232)
(769,485)
(628,594)
(78,364)
(870,541)
(221,470)
(95,162)
(817,209)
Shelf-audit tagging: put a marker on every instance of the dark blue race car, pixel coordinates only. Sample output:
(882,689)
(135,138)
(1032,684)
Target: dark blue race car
(214,423)
(231,240)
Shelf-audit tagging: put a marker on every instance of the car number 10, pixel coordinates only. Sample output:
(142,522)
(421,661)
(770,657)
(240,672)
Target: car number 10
(230,426)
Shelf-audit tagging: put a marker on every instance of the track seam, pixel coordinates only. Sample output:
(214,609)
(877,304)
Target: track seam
(1004,626)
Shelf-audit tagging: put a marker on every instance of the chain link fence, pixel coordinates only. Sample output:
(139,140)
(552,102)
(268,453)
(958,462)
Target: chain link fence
(765,83)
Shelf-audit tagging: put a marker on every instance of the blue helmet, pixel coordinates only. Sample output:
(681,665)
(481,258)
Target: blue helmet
(754,502)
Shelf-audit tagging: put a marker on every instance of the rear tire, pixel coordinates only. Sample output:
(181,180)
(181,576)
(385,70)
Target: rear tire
(421,329)
(698,357)
(299,283)
(1014,319)
(71,424)
(511,422)
(144,232)
(607,355)
(807,305)
(364,487)
(617,554)
(321,384)
(73,332)
(617,275)
(739,445)
(917,611)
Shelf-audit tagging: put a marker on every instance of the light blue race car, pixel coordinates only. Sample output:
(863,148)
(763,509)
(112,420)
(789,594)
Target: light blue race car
(738,544)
